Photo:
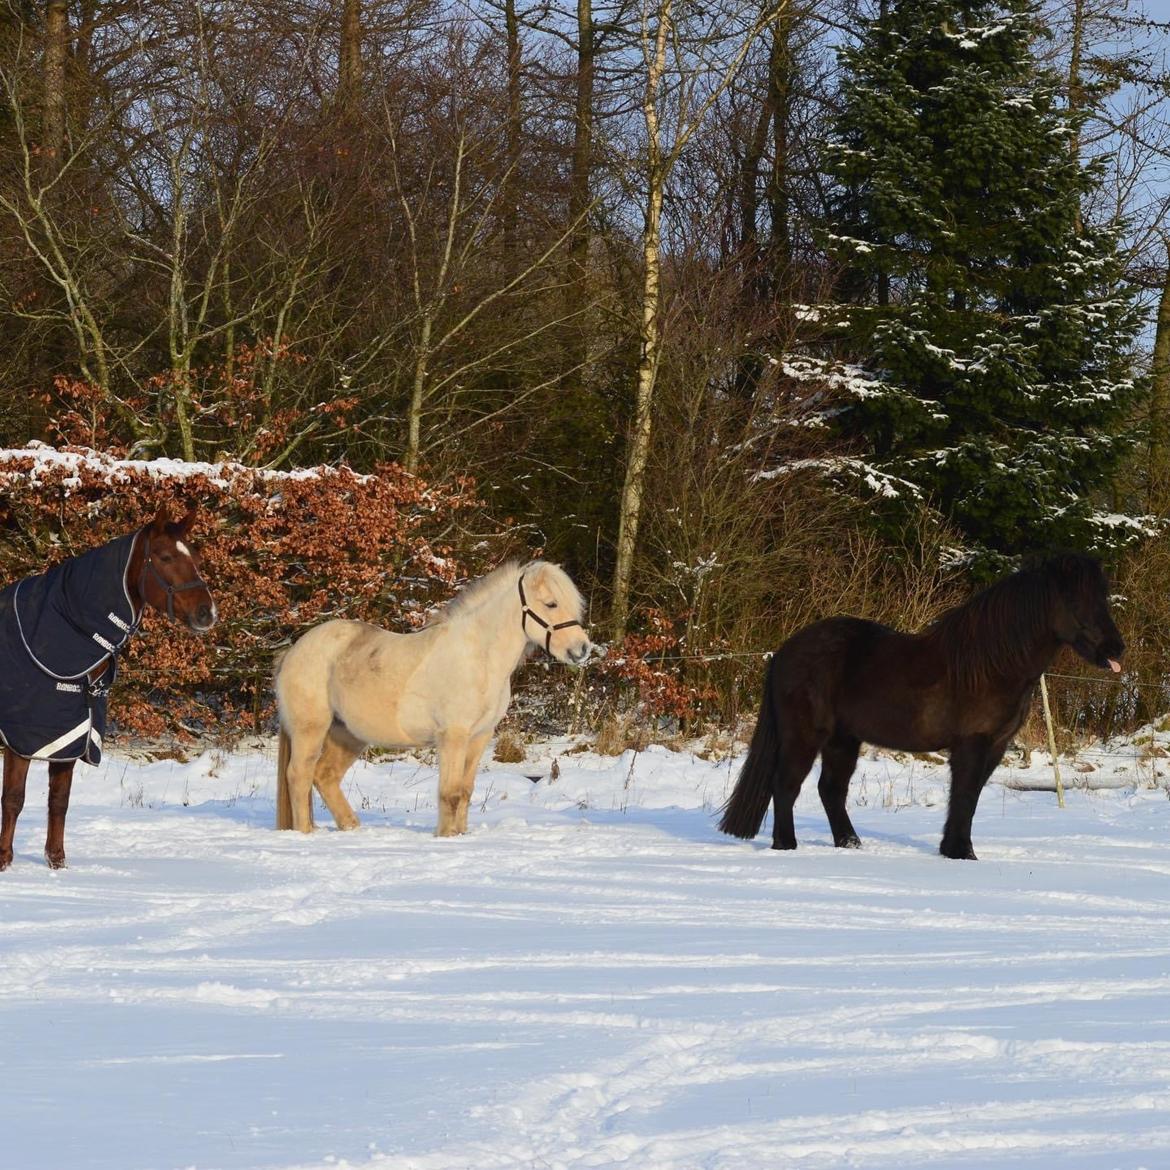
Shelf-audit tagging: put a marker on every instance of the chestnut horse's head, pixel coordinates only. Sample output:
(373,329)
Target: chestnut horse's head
(167,573)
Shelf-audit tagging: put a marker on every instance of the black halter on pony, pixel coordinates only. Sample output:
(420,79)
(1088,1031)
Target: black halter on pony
(550,628)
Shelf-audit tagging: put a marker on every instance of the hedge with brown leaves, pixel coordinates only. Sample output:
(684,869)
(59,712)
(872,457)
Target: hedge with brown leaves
(280,551)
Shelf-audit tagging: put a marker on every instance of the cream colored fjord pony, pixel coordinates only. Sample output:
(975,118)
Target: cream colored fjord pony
(345,685)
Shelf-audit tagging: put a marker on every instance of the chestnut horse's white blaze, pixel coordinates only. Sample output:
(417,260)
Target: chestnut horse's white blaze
(345,685)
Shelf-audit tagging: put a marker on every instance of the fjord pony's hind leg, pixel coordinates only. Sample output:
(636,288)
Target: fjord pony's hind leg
(296,762)
(306,716)
(338,753)
(11,803)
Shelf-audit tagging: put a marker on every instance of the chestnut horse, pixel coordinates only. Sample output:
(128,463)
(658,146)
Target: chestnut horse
(161,571)
(346,684)
(964,683)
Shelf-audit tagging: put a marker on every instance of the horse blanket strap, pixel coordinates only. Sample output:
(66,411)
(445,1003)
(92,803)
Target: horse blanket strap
(548,627)
(55,628)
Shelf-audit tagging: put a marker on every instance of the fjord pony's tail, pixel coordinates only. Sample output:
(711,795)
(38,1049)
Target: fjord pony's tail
(284,813)
(284,816)
(744,812)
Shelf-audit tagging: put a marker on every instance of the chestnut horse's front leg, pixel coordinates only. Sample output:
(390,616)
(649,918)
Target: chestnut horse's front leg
(15,775)
(60,783)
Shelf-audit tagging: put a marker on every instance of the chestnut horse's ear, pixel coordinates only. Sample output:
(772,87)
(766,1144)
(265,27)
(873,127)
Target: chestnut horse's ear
(188,520)
(161,519)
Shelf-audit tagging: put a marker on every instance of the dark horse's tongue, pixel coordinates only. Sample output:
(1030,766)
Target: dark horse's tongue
(1114,666)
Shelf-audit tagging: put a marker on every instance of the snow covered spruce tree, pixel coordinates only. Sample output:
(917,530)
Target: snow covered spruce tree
(992,327)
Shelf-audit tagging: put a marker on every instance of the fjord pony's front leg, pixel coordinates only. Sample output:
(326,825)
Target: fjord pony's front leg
(454,791)
(475,747)
(12,801)
(459,756)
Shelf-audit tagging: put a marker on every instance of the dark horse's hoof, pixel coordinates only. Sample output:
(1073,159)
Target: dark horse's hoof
(959,853)
(853,841)
(783,845)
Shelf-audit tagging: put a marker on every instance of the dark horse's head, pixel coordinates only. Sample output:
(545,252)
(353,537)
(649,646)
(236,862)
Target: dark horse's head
(167,573)
(1080,609)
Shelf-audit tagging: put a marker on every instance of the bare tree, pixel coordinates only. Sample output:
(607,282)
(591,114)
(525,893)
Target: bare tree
(689,58)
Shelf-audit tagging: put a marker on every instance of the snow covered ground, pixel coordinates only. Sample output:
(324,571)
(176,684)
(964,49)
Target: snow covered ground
(592,978)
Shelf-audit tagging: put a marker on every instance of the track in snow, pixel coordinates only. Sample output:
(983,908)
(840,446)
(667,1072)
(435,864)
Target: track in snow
(592,978)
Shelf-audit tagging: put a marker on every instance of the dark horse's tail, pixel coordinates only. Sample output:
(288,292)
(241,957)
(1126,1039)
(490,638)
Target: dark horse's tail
(744,811)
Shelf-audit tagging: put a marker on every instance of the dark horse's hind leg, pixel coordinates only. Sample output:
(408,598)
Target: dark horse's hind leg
(972,762)
(60,783)
(838,759)
(798,754)
(15,775)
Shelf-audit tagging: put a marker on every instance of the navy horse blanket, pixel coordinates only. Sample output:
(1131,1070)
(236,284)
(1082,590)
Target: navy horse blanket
(55,628)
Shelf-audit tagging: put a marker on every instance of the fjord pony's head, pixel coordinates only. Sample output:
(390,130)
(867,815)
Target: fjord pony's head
(1080,609)
(167,573)
(552,612)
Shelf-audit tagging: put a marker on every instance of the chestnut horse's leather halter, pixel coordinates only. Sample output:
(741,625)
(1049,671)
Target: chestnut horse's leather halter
(549,628)
(169,589)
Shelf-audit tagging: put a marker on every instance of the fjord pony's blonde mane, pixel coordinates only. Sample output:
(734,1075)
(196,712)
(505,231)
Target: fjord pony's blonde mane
(488,588)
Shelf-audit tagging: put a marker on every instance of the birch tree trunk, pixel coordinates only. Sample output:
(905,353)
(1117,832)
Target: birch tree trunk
(648,334)
(1159,456)
(692,103)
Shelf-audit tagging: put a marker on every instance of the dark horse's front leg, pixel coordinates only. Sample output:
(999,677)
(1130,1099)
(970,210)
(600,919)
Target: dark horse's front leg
(60,784)
(972,762)
(12,801)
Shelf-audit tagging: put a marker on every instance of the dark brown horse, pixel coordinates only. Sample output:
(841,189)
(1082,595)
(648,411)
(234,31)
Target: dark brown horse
(153,567)
(965,683)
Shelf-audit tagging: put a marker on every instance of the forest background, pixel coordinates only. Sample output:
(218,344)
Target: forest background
(746,313)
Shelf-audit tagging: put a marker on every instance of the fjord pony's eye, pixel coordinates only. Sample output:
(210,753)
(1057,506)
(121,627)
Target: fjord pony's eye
(567,638)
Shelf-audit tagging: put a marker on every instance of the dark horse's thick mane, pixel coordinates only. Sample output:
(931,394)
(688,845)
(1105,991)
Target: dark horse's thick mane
(994,633)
